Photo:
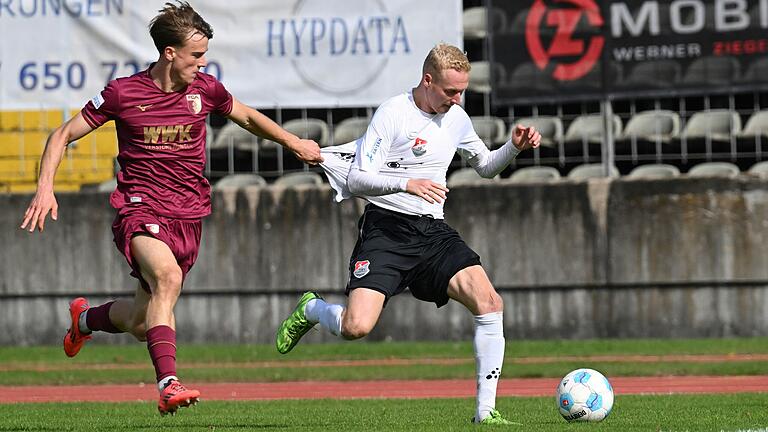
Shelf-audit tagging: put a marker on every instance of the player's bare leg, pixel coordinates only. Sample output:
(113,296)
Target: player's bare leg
(161,271)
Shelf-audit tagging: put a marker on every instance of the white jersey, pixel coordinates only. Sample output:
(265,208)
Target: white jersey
(404,142)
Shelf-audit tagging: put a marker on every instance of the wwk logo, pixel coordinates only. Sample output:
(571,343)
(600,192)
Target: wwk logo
(563,44)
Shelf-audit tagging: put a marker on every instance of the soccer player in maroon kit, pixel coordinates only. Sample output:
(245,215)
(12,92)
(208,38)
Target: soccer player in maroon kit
(161,193)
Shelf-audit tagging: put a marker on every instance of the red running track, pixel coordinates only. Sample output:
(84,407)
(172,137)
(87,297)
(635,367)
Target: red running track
(379,389)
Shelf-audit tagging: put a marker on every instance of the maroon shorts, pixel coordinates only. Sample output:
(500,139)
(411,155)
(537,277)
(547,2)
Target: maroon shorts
(181,235)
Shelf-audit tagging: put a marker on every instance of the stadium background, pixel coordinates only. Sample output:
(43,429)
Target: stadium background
(573,253)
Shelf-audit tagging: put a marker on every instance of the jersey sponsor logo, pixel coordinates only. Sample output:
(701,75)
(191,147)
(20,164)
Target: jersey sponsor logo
(194,103)
(419,147)
(374,150)
(166,134)
(143,108)
(97,101)
(361,268)
(153,228)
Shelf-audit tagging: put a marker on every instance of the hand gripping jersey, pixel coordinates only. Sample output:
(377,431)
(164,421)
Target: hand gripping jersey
(161,139)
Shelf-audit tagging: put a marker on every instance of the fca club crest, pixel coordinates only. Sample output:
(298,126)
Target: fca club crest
(194,103)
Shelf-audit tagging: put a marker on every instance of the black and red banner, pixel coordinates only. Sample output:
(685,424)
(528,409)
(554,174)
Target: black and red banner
(559,50)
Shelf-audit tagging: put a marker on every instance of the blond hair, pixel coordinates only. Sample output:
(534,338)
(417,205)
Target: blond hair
(444,56)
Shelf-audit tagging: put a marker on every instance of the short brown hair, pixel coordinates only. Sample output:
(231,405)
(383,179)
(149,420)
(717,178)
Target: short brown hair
(172,26)
(444,56)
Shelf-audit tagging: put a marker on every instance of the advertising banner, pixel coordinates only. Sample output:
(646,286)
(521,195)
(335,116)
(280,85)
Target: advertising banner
(556,50)
(294,53)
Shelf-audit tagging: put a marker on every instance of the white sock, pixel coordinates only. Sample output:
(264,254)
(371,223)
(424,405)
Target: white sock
(82,324)
(489,357)
(328,315)
(164,382)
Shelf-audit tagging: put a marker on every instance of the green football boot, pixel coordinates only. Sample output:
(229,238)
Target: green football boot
(495,419)
(295,326)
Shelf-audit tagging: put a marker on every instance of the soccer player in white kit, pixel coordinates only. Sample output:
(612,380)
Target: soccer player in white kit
(400,167)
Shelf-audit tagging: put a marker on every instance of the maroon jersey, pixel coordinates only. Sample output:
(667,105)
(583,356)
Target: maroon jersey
(161,139)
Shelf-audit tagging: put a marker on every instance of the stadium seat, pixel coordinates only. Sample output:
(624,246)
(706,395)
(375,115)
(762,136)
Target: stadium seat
(233,135)
(712,70)
(759,169)
(234,181)
(304,178)
(350,129)
(714,169)
(753,138)
(718,125)
(476,19)
(590,171)
(653,125)
(491,130)
(107,185)
(653,74)
(757,71)
(480,76)
(527,77)
(308,128)
(588,128)
(467,176)
(534,174)
(757,125)
(654,171)
(550,128)
(648,133)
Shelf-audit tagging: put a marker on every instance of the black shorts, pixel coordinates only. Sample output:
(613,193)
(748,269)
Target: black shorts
(396,251)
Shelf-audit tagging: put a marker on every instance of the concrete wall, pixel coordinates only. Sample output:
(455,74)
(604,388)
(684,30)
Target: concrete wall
(622,258)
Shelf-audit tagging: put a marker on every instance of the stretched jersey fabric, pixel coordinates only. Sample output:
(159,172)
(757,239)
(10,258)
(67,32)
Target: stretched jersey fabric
(404,142)
(161,140)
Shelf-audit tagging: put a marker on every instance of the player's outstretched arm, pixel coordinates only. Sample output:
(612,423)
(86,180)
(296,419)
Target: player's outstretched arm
(44,201)
(260,125)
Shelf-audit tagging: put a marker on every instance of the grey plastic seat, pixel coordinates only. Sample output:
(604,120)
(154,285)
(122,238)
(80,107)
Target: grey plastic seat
(534,174)
(480,76)
(712,70)
(467,176)
(654,73)
(308,128)
(492,130)
(759,169)
(757,125)
(234,135)
(350,129)
(589,128)
(654,171)
(757,70)
(714,169)
(655,125)
(239,180)
(550,128)
(475,21)
(107,185)
(304,178)
(590,171)
(528,77)
(718,125)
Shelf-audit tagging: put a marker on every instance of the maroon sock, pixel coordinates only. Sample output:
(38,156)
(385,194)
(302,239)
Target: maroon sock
(97,319)
(161,342)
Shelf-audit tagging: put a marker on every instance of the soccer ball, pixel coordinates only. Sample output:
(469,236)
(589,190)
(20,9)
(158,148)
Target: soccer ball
(584,395)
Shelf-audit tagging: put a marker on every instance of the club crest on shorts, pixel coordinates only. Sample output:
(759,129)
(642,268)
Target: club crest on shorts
(419,147)
(361,268)
(194,103)
(153,228)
